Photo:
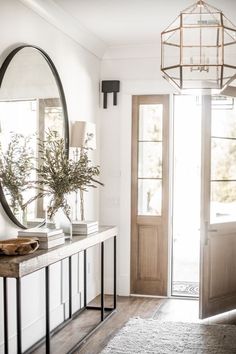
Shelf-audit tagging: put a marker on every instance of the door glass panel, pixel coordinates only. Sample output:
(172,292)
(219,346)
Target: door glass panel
(150,122)
(224,122)
(223,201)
(150,160)
(149,197)
(223,157)
(223,165)
(150,133)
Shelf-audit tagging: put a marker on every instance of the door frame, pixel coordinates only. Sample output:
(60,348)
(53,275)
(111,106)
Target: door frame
(152,99)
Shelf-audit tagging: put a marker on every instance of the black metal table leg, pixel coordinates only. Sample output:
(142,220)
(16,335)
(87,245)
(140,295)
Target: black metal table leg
(18,315)
(85,278)
(102,281)
(115,271)
(70,287)
(5,314)
(47,308)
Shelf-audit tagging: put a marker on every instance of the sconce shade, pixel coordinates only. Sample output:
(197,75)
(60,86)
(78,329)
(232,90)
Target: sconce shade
(199,49)
(83,135)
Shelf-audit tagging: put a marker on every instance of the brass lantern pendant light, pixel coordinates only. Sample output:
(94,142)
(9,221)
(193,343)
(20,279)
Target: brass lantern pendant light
(199,49)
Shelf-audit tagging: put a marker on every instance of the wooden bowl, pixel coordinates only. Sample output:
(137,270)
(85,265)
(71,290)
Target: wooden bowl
(18,246)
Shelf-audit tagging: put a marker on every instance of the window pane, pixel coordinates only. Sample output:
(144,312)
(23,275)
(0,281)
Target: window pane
(150,160)
(223,202)
(223,157)
(149,197)
(150,122)
(224,123)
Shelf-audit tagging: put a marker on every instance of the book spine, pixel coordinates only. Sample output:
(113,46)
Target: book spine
(46,245)
(76,232)
(39,234)
(84,228)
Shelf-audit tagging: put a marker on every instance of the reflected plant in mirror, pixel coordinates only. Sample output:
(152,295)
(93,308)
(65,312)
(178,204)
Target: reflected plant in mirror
(32,101)
(16,167)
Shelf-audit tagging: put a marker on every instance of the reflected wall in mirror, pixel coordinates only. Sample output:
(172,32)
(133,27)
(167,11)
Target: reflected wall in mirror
(32,101)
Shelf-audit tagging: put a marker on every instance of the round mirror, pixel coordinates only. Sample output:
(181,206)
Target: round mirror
(32,102)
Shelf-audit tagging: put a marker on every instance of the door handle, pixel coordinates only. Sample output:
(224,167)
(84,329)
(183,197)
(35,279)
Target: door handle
(212,230)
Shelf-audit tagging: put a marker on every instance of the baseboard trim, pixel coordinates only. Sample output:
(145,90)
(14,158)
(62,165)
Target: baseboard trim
(150,296)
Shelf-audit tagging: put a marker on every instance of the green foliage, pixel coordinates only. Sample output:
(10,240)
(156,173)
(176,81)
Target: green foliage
(58,175)
(16,165)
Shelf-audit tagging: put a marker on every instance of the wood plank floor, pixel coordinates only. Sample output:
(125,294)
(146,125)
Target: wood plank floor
(127,307)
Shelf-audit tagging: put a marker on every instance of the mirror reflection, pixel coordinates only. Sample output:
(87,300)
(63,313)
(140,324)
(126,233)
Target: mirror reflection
(30,105)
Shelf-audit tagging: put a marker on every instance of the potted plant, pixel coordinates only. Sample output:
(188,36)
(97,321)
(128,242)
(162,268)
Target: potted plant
(58,175)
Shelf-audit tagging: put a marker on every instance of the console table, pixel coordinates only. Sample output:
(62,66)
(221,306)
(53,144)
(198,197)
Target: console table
(21,266)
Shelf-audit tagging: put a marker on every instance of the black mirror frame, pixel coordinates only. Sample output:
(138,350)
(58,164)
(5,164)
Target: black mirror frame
(50,63)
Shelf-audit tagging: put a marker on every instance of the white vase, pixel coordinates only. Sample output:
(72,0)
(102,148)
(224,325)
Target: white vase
(50,222)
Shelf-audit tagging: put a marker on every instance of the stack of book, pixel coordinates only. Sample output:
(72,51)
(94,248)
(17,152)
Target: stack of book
(84,227)
(47,238)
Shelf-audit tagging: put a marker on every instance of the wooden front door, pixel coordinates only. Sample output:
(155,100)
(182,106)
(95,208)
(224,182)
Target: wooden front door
(218,219)
(149,202)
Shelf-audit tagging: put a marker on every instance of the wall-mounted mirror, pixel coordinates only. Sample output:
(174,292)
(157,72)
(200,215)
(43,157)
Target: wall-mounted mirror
(32,101)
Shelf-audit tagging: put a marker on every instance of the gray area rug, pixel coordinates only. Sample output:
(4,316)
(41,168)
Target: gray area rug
(153,336)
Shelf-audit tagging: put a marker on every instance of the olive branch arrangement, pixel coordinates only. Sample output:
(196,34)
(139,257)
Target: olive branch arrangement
(59,175)
(16,165)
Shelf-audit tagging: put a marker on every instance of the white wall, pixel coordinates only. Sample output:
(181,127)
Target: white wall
(79,71)
(138,69)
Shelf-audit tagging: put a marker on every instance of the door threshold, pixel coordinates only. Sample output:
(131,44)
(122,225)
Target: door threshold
(184,297)
(171,297)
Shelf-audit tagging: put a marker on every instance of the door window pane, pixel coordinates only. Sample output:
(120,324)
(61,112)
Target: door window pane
(223,165)
(149,197)
(150,131)
(150,122)
(223,201)
(223,157)
(150,160)
(224,123)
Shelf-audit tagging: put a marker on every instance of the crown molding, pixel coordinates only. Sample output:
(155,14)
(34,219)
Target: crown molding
(59,18)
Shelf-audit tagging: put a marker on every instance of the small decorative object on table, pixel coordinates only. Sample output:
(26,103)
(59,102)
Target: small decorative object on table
(46,237)
(84,227)
(18,246)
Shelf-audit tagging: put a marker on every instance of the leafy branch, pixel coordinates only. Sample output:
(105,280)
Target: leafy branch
(16,165)
(59,175)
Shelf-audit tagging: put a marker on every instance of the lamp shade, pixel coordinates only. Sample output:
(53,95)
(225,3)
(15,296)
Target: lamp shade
(83,135)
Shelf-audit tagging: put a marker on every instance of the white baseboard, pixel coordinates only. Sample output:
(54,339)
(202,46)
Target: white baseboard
(150,296)
(123,285)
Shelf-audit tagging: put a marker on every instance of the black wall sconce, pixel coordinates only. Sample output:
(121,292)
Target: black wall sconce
(109,86)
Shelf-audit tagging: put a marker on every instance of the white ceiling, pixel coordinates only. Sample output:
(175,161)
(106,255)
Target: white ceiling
(128,22)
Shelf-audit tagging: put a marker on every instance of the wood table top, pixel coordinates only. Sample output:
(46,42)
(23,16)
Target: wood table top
(19,266)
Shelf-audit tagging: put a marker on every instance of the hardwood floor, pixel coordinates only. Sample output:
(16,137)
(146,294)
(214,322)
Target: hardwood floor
(127,307)
(184,310)
(164,309)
